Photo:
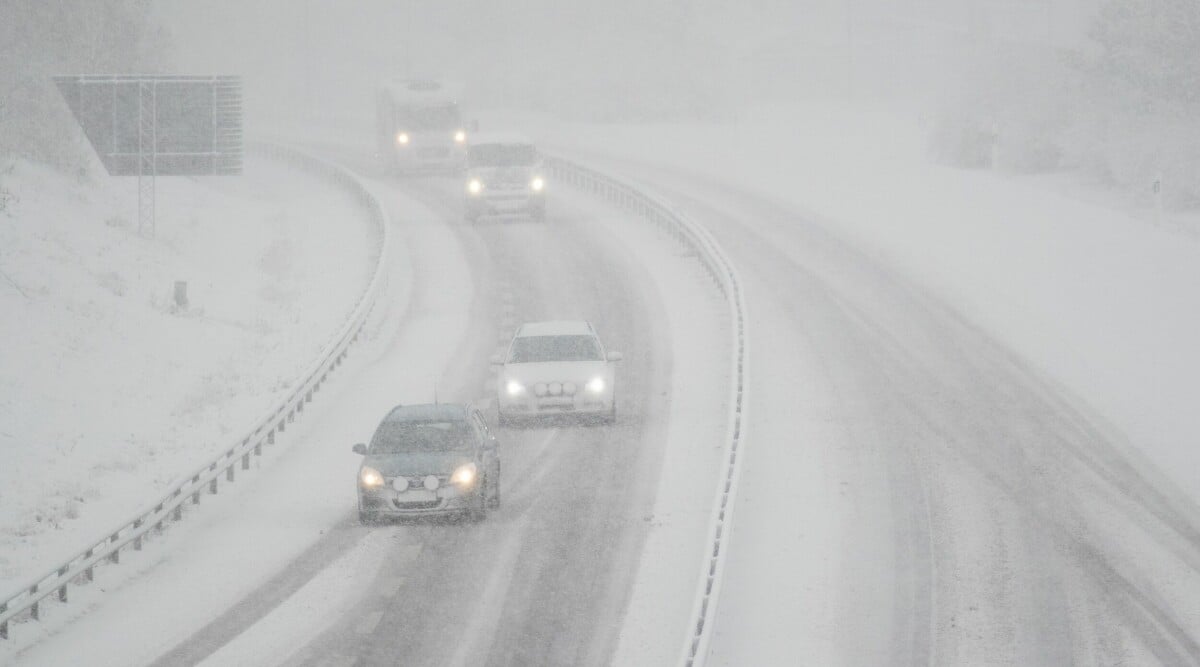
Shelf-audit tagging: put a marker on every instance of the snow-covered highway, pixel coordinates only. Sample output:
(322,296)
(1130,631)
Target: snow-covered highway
(277,571)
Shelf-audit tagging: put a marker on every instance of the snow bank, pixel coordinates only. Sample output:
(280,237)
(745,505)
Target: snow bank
(108,387)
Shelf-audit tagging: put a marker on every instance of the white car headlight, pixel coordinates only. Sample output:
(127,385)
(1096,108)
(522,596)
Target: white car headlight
(474,186)
(370,478)
(595,385)
(402,138)
(460,137)
(514,388)
(537,184)
(464,475)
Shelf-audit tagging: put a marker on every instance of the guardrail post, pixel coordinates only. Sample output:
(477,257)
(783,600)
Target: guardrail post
(212,486)
(271,437)
(229,473)
(89,574)
(62,590)
(258,448)
(4,625)
(137,541)
(246,461)
(35,612)
(115,556)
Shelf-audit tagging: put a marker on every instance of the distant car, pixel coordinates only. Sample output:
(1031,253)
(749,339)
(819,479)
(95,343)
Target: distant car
(504,177)
(556,368)
(429,460)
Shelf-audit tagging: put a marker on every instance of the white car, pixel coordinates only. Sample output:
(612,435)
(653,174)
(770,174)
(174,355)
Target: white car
(556,368)
(504,177)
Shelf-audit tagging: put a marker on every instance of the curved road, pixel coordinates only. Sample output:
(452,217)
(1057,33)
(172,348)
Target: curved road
(545,578)
(915,494)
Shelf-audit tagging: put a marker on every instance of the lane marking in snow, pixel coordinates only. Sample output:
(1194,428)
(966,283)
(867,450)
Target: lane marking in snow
(342,660)
(481,630)
(389,586)
(369,622)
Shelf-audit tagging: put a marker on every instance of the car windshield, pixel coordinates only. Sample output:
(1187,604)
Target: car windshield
(502,155)
(528,349)
(443,117)
(402,437)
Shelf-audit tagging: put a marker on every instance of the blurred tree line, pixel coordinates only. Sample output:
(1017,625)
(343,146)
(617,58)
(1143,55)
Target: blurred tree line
(1125,106)
(40,39)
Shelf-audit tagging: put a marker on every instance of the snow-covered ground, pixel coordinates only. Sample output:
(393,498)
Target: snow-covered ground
(108,389)
(1085,284)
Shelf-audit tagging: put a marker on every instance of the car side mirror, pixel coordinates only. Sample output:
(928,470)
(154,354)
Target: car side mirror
(360,448)
(615,356)
(496,360)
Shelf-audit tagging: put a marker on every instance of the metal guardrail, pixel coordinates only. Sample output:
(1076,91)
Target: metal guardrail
(27,602)
(694,236)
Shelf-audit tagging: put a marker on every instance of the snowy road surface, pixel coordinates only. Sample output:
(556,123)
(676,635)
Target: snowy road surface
(545,580)
(915,494)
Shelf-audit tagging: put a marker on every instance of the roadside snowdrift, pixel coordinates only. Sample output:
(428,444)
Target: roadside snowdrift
(108,388)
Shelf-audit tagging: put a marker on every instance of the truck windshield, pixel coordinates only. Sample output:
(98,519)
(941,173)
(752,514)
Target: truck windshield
(501,155)
(443,117)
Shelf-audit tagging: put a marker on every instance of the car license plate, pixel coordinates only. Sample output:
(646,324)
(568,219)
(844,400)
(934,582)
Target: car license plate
(416,496)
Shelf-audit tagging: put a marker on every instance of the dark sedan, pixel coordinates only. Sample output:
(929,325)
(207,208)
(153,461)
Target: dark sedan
(429,460)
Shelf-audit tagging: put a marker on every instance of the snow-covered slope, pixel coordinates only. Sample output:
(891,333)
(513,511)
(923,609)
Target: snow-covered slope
(108,388)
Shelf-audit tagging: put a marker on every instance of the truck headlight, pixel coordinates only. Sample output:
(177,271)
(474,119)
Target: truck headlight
(514,388)
(474,186)
(370,478)
(595,385)
(402,138)
(464,475)
(460,137)
(537,184)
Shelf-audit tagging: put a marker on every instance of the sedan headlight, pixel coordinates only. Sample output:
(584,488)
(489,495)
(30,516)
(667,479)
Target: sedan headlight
(514,388)
(370,478)
(402,138)
(595,385)
(474,186)
(537,184)
(464,475)
(460,137)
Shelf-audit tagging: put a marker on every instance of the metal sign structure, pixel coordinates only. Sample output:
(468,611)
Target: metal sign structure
(151,126)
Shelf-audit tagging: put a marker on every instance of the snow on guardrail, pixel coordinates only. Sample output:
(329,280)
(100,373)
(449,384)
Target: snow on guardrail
(661,213)
(27,602)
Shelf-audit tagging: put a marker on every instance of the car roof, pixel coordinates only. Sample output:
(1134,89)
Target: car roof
(429,412)
(557,328)
(476,139)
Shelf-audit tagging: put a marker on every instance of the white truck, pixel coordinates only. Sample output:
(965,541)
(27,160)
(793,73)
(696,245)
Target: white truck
(421,126)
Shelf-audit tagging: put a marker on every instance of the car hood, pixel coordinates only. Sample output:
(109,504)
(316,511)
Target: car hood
(503,175)
(556,371)
(418,463)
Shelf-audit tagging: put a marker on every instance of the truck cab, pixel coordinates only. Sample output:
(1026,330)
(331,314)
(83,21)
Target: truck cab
(420,126)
